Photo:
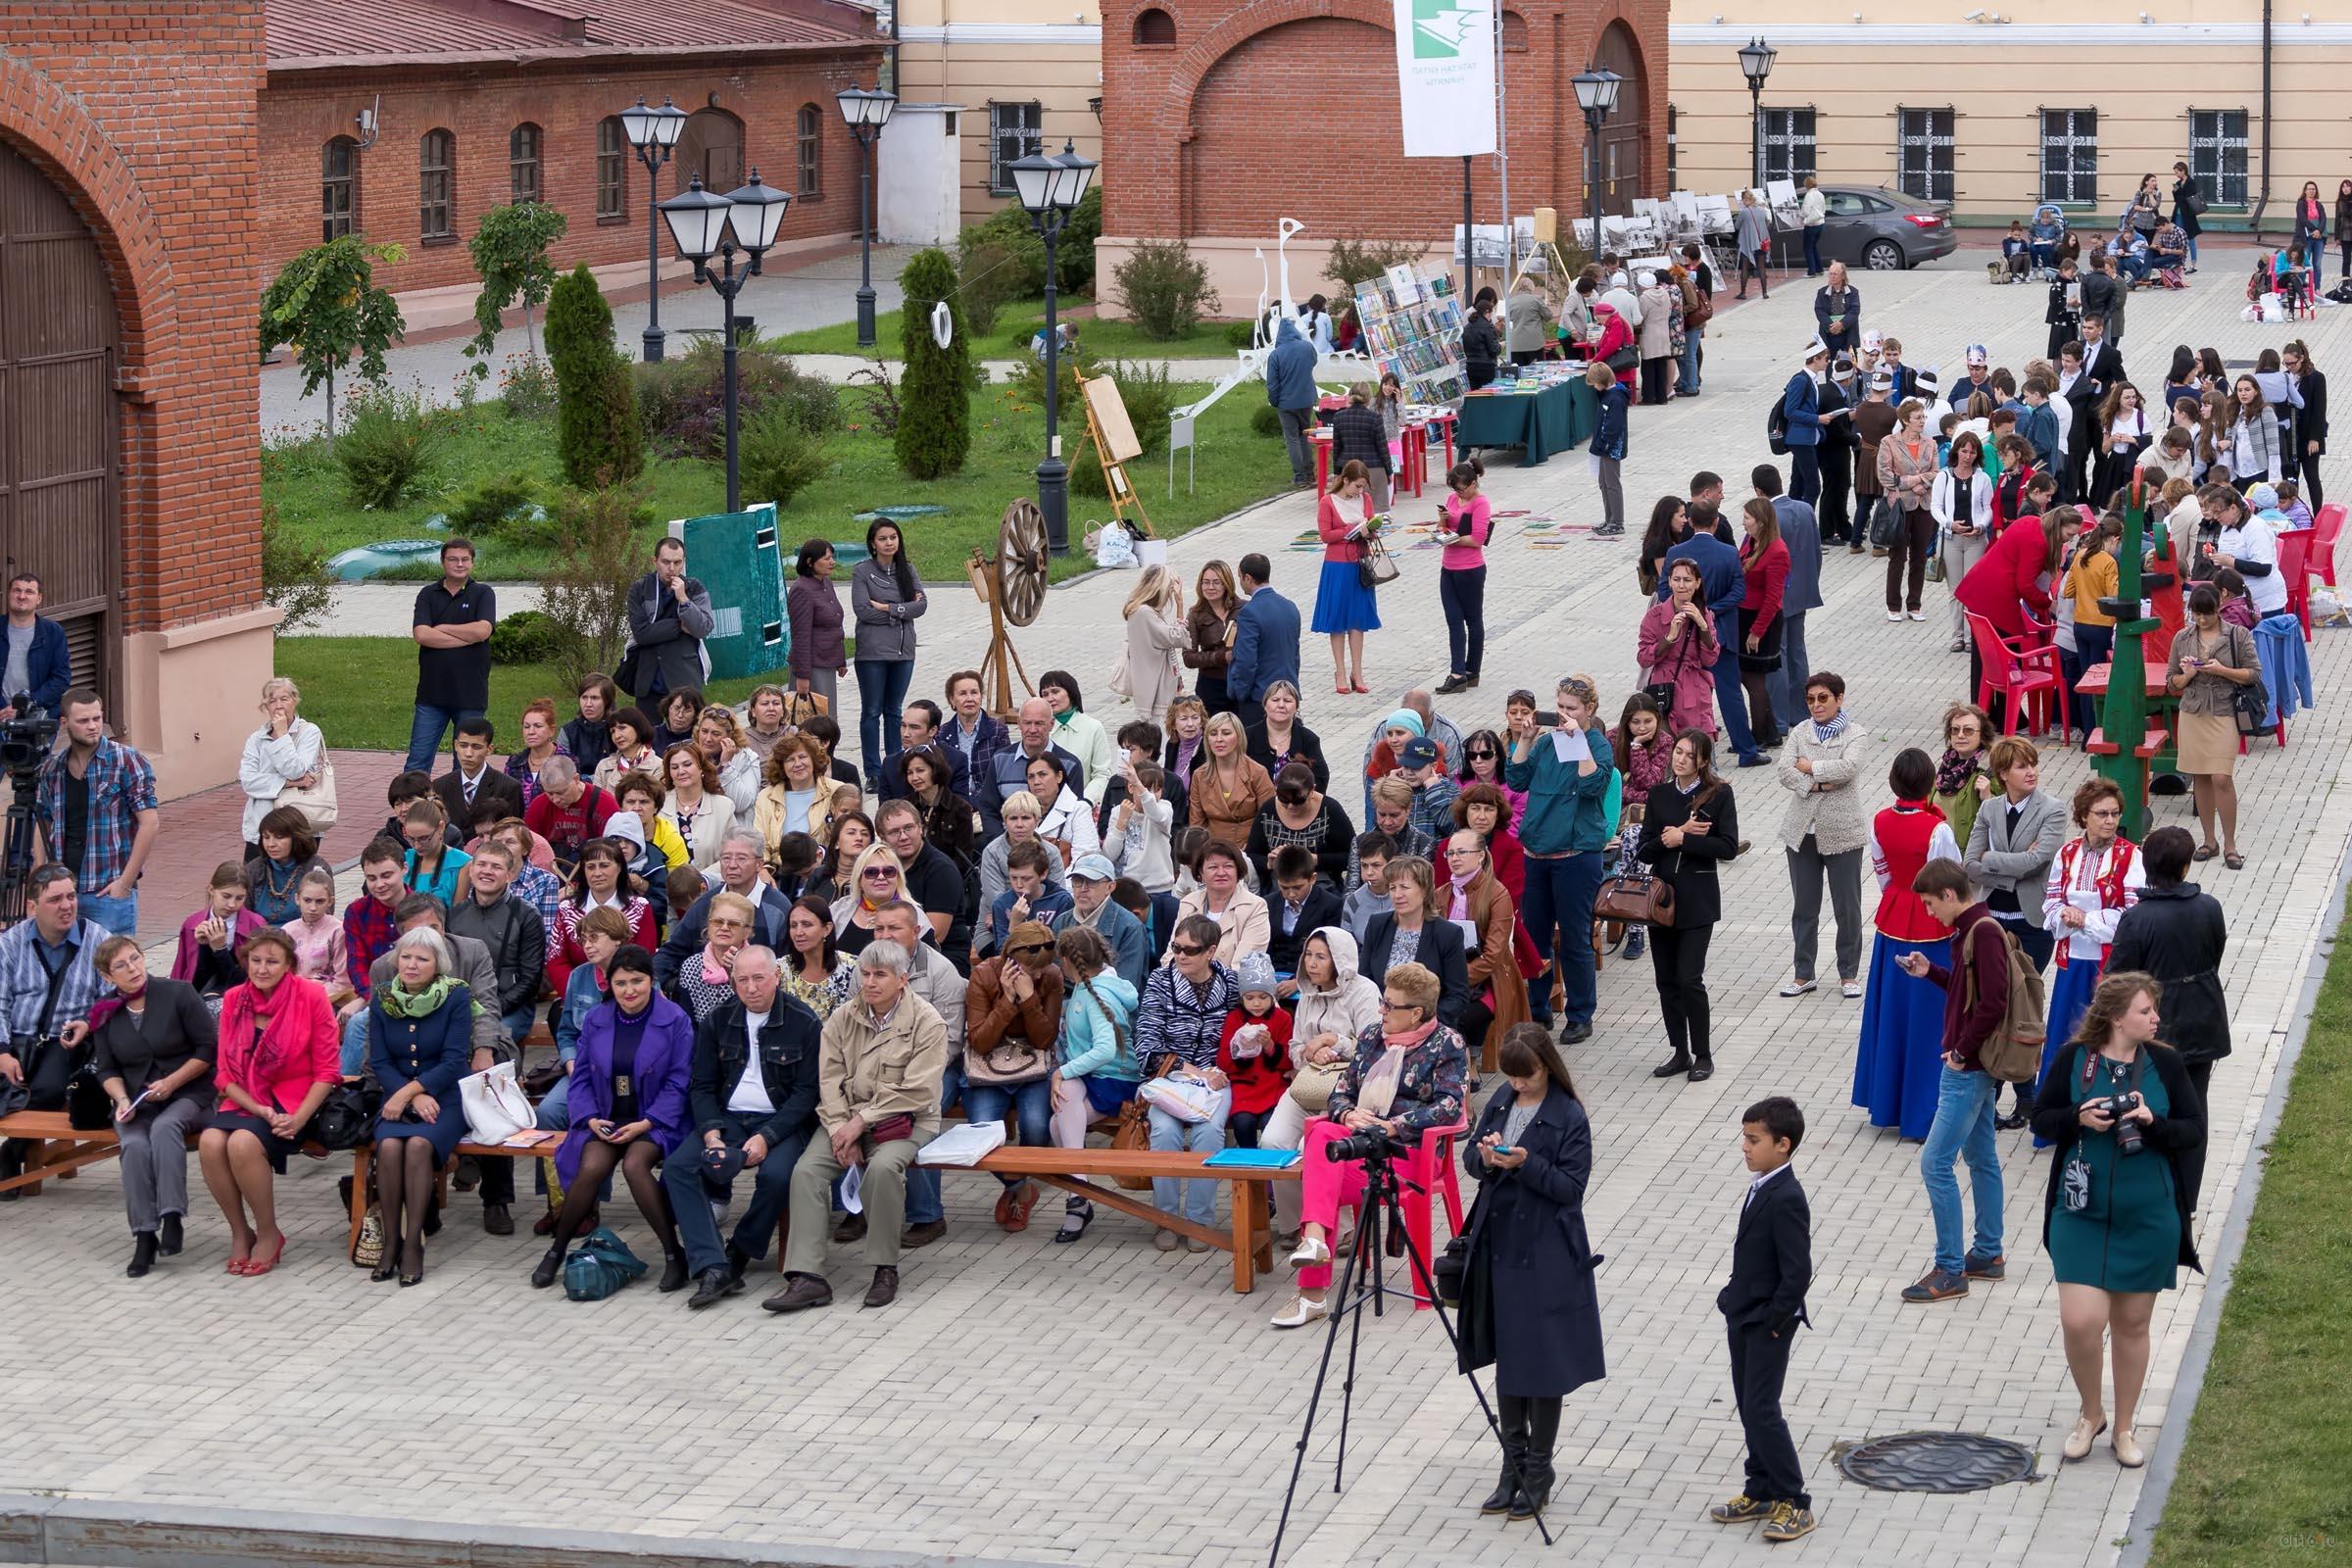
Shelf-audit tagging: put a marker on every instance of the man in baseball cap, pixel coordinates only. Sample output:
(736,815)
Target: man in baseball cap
(1092,877)
(1420,765)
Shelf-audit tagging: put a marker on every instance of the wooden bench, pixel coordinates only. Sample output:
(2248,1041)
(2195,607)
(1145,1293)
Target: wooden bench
(59,1148)
(541,1144)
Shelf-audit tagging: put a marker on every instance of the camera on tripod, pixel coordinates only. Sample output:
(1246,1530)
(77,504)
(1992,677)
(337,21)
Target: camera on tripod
(26,742)
(27,739)
(1366,1146)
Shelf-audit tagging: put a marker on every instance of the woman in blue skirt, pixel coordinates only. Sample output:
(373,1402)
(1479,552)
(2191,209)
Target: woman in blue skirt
(1899,1062)
(1344,606)
(2095,877)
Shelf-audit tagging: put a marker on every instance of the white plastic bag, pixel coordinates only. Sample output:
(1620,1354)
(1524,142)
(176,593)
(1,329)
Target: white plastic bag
(1112,546)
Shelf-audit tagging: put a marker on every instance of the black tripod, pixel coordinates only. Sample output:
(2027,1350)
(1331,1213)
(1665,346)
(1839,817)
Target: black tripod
(16,866)
(1361,1284)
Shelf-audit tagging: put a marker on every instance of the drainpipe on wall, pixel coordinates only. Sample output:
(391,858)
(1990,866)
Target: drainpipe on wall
(2254,219)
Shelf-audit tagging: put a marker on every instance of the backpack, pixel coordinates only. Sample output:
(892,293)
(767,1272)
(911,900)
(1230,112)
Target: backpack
(1776,427)
(2012,1052)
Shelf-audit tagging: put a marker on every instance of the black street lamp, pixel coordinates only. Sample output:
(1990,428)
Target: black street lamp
(1050,188)
(865,112)
(653,132)
(1755,63)
(1595,95)
(705,225)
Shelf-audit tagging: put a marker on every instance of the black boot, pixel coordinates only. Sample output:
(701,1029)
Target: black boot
(168,1241)
(674,1273)
(1513,1421)
(548,1267)
(142,1254)
(1542,1431)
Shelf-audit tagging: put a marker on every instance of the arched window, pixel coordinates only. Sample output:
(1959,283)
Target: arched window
(612,170)
(811,148)
(1154,27)
(436,171)
(1515,32)
(339,187)
(523,163)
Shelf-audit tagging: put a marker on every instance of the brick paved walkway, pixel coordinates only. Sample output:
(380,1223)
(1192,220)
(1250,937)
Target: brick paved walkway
(1107,1403)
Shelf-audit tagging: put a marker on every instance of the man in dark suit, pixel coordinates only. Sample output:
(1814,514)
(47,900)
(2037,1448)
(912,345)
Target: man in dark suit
(1772,1263)
(472,779)
(1301,904)
(1265,642)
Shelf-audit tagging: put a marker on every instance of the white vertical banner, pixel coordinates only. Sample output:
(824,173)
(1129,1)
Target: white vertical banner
(1446,76)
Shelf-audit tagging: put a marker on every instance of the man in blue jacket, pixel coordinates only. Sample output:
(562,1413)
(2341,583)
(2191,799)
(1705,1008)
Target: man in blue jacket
(1290,388)
(1725,586)
(38,666)
(1265,641)
(1801,406)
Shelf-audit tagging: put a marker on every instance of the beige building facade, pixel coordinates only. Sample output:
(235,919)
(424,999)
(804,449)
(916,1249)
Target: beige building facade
(1995,109)
(1025,73)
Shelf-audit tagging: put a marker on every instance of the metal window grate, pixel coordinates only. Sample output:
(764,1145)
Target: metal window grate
(1014,131)
(1924,151)
(1788,146)
(2216,154)
(2070,155)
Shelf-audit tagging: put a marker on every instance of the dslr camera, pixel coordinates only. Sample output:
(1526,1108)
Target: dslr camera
(1365,1147)
(2129,1139)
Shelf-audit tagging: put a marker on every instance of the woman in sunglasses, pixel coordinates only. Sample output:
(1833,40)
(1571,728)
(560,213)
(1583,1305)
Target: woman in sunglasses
(1483,757)
(876,877)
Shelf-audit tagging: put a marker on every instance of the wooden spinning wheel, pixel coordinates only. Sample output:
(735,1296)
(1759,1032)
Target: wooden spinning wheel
(1013,584)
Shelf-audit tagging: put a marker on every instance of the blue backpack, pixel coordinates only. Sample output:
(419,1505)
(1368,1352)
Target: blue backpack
(600,1267)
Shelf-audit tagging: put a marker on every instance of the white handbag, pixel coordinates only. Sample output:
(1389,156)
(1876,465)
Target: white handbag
(496,1108)
(317,804)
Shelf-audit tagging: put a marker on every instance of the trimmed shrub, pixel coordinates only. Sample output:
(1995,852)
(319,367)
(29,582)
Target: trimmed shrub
(682,402)
(934,432)
(388,442)
(779,457)
(527,637)
(599,440)
(1163,289)
(504,508)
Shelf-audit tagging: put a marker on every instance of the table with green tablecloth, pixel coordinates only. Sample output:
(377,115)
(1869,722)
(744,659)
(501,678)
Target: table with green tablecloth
(1557,419)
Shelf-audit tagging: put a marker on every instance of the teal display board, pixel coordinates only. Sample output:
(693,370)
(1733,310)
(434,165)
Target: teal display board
(734,555)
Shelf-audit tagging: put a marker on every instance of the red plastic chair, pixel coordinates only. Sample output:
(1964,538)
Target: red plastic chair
(2323,531)
(1430,1171)
(2015,671)
(2295,564)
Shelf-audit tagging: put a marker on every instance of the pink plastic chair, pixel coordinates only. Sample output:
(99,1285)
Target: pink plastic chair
(1431,1170)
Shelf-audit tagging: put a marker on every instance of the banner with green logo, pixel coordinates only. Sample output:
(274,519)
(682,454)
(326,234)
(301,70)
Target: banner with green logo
(1446,76)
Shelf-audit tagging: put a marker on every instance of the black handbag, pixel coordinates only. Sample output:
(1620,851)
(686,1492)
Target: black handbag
(2251,704)
(347,1119)
(89,1108)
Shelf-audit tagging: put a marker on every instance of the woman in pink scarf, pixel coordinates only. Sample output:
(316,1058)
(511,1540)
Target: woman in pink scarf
(280,1055)
(1405,1080)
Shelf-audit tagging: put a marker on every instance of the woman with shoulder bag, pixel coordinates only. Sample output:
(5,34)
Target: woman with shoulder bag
(1477,902)
(2210,665)
(2125,1119)
(286,755)
(1336,1004)
(1529,1306)
(1676,650)
(1689,825)
(2188,205)
(1208,629)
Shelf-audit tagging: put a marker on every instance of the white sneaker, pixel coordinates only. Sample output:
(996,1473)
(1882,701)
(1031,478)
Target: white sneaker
(1301,1312)
(1310,1253)
(1797,988)
(1852,988)
(1895,614)
(1918,615)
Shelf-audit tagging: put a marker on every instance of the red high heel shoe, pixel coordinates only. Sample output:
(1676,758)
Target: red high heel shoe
(262,1265)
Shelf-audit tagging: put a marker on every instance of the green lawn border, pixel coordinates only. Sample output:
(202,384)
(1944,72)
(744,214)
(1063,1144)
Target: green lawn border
(2227,1245)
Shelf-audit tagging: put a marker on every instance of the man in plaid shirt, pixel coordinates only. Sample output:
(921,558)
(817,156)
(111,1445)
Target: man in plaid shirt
(94,813)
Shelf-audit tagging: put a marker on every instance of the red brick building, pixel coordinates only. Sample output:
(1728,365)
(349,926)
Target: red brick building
(1220,116)
(129,472)
(478,103)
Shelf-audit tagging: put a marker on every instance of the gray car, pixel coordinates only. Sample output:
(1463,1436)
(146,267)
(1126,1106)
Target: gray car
(1875,230)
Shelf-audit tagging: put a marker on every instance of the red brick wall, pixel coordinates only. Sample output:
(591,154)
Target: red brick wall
(1263,109)
(301,110)
(144,115)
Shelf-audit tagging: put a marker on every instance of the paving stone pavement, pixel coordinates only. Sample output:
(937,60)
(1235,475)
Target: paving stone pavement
(1107,1403)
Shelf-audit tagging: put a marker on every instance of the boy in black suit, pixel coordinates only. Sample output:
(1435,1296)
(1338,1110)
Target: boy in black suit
(1772,1262)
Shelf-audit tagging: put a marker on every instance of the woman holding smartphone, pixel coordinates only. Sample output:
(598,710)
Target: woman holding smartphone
(1465,519)
(2210,659)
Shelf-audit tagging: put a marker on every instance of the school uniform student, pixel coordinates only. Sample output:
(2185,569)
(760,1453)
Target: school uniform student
(1772,1263)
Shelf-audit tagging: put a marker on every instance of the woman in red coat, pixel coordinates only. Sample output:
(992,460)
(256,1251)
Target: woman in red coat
(2015,577)
(1616,332)
(1764,558)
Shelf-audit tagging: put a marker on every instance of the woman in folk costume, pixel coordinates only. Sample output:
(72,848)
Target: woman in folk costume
(2095,877)
(1899,1064)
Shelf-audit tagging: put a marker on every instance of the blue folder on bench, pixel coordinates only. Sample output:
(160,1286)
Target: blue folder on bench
(1251,1159)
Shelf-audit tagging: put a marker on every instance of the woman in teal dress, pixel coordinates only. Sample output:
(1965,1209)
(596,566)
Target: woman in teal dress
(2116,1218)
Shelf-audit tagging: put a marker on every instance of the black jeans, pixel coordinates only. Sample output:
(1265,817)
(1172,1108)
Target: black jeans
(1804,474)
(1907,560)
(1759,1366)
(1463,593)
(1679,956)
(1246,1127)
(1653,378)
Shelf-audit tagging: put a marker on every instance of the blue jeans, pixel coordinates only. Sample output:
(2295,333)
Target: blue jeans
(692,1194)
(1560,894)
(1963,1130)
(1691,337)
(923,1207)
(1813,248)
(1028,1107)
(1786,684)
(426,731)
(1730,697)
(355,1044)
(881,689)
(1202,1137)
(519,1023)
(120,916)
(2042,253)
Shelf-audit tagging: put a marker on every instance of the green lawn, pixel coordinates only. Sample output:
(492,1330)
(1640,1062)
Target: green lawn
(361,690)
(1016,323)
(2265,1478)
(1237,467)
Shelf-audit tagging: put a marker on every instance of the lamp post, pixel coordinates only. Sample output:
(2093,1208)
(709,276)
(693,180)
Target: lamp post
(1595,95)
(653,132)
(1755,63)
(1050,188)
(866,114)
(705,225)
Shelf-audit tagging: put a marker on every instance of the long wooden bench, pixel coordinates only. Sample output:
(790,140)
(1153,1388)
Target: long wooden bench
(59,1148)
(363,1168)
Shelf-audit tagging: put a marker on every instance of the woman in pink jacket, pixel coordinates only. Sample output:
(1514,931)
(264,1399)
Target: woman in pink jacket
(1677,649)
(280,1055)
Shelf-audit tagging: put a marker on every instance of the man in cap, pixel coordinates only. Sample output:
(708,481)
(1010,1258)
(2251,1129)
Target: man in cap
(1092,877)
(1433,790)
(1837,391)
(1801,406)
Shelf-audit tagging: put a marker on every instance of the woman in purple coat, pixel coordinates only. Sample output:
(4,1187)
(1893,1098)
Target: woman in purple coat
(628,1109)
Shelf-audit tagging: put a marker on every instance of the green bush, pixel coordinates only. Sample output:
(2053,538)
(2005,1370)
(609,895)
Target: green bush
(1074,251)
(526,386)
(1356,260)
(388,442)
(1163,289)
(1265,420)
(1086,470)
(1144,389)
(294,575)
(779,455)
(599,438)
(682,402)
(527,637)
(988,276)
(934,433)
(1241,334)
(504,508)
(1008,226)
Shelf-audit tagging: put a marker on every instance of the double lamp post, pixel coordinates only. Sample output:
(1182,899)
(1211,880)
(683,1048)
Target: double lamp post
(1050,187)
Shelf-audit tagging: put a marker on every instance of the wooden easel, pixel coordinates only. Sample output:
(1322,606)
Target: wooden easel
(1115,446)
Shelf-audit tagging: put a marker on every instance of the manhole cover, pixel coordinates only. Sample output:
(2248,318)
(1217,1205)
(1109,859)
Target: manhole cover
(1936,1461)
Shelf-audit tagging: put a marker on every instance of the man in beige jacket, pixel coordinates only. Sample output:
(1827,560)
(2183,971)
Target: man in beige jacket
(879,1067)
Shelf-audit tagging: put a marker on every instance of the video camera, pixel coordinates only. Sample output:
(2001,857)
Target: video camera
(27,740)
